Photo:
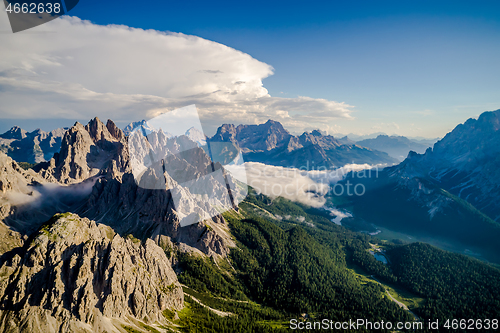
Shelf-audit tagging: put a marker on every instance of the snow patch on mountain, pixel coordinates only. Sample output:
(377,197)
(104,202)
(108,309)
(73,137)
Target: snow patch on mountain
(197,136)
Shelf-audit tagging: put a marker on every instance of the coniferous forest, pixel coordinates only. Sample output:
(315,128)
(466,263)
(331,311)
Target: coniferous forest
(311,269)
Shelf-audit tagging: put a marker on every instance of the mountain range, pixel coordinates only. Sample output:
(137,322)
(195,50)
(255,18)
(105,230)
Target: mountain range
(357,137)
(31,147)
(396,146)
(270,143)
(86,247)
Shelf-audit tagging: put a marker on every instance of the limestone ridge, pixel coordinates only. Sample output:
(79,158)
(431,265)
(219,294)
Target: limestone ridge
(76,276)
(451,192)
(100,153)
(85,154)
(143,123)
(27,199)
(15,179)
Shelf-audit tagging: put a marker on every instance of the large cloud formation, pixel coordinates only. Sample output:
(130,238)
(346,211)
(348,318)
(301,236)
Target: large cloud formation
(70,68)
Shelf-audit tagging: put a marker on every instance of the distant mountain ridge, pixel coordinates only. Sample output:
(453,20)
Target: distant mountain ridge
(358,137)
(271,143)
(396,146)
(32,147)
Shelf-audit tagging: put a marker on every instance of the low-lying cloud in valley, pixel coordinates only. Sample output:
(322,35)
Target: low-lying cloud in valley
(74,69)
(306,186)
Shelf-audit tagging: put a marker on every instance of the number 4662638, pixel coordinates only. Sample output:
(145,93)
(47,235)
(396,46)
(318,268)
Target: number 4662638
(33,8)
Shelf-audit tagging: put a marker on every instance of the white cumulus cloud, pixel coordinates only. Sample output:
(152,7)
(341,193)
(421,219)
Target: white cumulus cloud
(70,68)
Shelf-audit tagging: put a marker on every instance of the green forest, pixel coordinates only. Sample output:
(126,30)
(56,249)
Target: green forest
(293,262)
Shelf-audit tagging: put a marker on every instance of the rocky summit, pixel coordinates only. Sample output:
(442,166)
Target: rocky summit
(85,152)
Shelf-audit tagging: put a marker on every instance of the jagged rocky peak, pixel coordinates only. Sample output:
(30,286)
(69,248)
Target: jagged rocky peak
(152,214)
(316,133)
(86,151)
(100,132)
(273,127)
(226,132)
(465,162)
(76,276)
(197,136)
(275,124)
(114,130)
(136,124)
(15,132)
(271,143)
(263,137)
(100,154)
(316,138)
(473,141)
(467,146)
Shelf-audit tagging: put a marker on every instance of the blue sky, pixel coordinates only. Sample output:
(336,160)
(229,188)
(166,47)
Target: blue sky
(410,68)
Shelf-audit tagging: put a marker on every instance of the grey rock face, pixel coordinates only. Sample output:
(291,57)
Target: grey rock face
(451,192)
(13,178)
(151,213)
(130,127)
(15,133)
(259,138)
(76,275)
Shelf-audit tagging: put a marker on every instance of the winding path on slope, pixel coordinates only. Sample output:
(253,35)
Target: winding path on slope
(400,304)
